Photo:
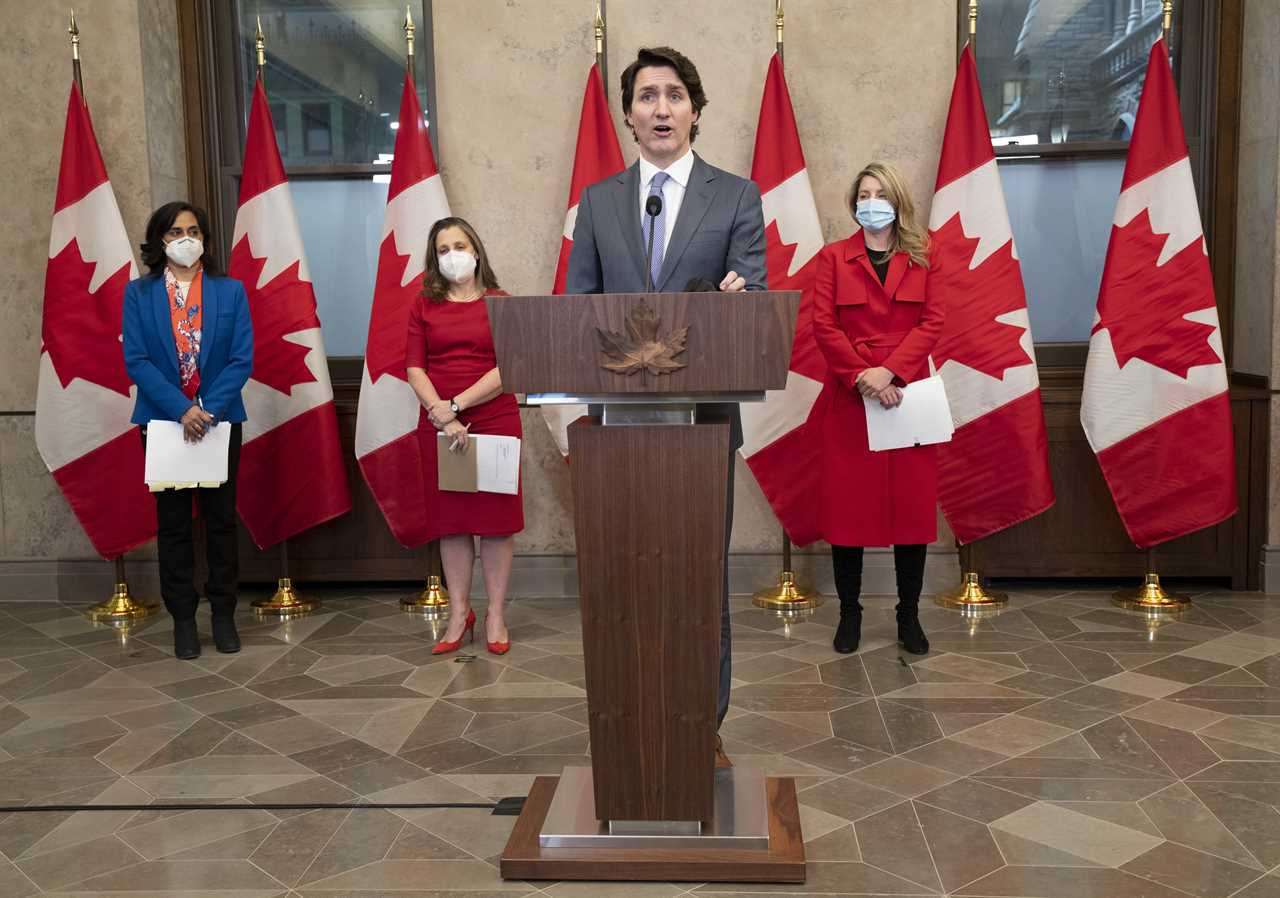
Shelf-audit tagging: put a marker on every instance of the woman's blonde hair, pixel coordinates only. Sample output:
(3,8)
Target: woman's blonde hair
(908,236)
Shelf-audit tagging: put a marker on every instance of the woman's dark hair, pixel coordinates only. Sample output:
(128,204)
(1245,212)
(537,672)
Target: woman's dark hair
(666,57)
(435,286)
(160,222)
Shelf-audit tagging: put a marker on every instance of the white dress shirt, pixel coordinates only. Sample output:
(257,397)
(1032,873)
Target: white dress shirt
(672,191)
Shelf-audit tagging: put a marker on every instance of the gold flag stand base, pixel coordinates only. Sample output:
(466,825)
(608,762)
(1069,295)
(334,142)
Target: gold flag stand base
(1150,597)
(971,596)
(432,601)
(121,609)
(789,595)
(285,602)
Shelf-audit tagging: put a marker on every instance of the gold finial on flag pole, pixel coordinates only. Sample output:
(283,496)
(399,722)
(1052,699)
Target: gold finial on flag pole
(973,20)
(74,30)
(778,17)
(1167,24)
(599,26)
(409,31)
(260,46)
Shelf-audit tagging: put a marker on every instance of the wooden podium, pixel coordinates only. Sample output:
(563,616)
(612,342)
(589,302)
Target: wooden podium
(650,466)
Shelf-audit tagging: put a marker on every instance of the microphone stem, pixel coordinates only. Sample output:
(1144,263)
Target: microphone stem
(648,255)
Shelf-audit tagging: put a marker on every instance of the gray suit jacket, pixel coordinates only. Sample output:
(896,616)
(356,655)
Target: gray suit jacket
(720,229)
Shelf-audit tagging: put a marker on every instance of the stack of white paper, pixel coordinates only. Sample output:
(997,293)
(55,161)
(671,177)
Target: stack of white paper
(173,462)
(924,417)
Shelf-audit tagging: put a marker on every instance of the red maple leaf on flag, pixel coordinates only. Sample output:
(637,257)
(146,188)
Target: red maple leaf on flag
(284,305)
(1143,306)
(388,332)
(806,358)
(81,330)
(973,299)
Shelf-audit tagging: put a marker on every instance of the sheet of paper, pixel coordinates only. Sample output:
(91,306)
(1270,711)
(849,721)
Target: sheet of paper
(924,417)
(489,464)
(171,461)
(497,464)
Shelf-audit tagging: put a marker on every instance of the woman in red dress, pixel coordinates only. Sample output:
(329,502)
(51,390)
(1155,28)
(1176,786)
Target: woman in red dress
(451,365)
(876,323)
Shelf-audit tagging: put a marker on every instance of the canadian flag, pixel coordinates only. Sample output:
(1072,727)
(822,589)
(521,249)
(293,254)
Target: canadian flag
(387,418)
(83,396)
(1155,405)
(995,471)
(780,455)
(291,468)
(597,157)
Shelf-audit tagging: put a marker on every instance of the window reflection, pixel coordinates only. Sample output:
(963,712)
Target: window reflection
(1058,71)
(334,74)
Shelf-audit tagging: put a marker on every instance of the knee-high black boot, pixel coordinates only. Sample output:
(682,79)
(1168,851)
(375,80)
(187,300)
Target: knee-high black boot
(908,565)
(846,561)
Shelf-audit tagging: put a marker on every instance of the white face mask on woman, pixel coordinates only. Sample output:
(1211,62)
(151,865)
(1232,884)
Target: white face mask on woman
(457,265)
(185,251)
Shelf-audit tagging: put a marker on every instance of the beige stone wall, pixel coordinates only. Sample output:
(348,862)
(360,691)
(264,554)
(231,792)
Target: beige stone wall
(509,82)
(510,77)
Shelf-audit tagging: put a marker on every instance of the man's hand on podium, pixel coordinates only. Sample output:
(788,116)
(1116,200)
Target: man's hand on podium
(733,283)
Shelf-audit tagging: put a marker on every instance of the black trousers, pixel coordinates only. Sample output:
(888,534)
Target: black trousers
(176,545)
(908,566)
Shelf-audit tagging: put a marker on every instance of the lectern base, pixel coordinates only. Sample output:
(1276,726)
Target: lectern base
(782,860)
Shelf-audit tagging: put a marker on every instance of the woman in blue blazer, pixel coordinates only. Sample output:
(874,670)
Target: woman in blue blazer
(188,345)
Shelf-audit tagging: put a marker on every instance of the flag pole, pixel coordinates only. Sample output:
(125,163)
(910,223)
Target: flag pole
(602,54)
(1151,597)
(971,598)
(285,601)
(121,609)
(788,596)
(433,600)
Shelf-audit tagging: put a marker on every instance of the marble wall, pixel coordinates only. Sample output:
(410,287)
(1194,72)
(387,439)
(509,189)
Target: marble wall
(510,76)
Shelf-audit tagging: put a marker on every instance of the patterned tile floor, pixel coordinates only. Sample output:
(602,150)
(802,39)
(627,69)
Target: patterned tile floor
(1061,750)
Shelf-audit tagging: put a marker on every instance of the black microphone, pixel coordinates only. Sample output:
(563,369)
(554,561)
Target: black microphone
(652,208)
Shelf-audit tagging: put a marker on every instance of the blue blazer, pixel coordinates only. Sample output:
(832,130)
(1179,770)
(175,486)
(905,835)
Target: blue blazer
(151,355)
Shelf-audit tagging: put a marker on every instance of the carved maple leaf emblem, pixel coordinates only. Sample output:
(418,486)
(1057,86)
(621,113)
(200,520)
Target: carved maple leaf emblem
(642,348)
(974,299)
(1145,307)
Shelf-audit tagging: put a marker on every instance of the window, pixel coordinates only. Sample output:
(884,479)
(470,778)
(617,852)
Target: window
(1061,81)
(333,77)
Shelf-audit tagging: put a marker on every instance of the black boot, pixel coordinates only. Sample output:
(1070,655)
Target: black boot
(186,641)
(225,637)
(908,564)
(846,561)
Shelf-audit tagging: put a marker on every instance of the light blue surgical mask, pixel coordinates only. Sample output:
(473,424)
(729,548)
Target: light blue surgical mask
(874,214)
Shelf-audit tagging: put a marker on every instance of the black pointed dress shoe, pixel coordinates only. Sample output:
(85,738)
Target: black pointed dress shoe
(186,640)
(225,638)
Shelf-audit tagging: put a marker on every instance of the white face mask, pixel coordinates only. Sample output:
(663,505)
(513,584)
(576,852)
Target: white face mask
(457,265)
(185,251)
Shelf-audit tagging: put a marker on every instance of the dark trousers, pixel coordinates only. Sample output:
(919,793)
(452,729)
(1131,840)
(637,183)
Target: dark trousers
(726,634)
(177,547)
(908,566)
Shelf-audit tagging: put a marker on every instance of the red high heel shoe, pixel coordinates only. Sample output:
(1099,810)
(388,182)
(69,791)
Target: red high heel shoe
(496,648)
(444,647)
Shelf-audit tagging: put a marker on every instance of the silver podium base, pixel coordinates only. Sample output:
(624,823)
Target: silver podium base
(740,819)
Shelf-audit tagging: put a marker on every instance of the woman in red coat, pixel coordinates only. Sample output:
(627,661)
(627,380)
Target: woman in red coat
(876,324)
(451,365)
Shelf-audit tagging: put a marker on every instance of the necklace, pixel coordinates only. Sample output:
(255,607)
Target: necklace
(468,299)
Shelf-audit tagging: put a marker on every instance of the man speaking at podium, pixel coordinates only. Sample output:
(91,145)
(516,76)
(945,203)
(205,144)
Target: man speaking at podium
(704,225)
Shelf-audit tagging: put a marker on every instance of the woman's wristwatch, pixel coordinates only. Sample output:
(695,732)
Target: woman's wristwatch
(454,407)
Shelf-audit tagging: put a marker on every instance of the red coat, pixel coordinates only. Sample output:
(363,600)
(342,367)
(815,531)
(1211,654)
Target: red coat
(871,498)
